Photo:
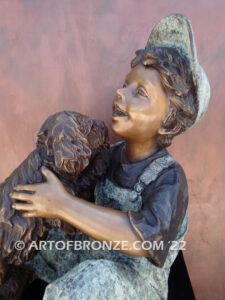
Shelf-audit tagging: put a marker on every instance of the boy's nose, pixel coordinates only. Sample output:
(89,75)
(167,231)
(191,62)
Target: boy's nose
(120,95)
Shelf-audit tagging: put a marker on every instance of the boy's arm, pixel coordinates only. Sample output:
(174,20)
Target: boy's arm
(164,207)
(51,200)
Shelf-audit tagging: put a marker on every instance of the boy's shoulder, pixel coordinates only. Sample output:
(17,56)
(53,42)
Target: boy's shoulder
(162,168)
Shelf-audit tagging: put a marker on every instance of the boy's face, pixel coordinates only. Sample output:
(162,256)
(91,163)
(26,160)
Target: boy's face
(140,106)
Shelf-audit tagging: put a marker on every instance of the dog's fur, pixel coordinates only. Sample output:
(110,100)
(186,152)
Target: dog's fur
(75,148)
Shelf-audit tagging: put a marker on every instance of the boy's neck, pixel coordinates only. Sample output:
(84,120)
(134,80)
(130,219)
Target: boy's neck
(136,150)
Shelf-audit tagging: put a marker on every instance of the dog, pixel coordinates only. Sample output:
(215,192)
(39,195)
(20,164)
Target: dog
(76,149)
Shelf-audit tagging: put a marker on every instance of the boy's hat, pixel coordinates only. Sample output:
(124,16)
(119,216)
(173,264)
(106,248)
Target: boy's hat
(175,31)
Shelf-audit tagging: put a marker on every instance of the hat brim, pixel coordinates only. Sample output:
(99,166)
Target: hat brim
(175,31)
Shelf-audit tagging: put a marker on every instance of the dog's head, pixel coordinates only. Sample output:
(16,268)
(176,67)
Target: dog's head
(68,140)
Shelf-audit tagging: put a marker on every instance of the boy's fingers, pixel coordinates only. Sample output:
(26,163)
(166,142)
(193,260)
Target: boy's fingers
(21,196)
(27,187)
(47,173)
(30,214)
(23,206)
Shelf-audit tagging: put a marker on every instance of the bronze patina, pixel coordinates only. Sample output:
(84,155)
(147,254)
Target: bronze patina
(66,143)
(143,197)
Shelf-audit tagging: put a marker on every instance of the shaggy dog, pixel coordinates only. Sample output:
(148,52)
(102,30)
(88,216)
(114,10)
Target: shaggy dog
(75,148)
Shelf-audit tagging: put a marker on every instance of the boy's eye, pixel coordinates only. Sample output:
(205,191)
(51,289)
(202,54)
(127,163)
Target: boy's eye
(141,91)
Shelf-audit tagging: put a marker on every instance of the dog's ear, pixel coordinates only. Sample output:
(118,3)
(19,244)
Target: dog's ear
(70,148)
(64,137)
(44,134)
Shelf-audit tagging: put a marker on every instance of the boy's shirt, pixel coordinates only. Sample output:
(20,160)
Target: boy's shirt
(164,199)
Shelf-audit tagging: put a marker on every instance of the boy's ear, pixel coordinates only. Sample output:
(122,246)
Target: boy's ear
(171,131)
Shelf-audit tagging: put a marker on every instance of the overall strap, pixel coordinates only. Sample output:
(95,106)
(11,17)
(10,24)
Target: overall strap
(152,171)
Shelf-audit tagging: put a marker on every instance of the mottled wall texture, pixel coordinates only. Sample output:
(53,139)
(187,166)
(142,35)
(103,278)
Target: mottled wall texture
(72,55)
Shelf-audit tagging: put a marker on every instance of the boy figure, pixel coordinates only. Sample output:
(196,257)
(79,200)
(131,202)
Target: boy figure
(144,196)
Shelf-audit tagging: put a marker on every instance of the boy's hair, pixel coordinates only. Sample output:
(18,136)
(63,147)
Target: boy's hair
(176,78)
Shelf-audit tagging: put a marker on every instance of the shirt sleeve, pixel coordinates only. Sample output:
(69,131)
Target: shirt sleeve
(163,210)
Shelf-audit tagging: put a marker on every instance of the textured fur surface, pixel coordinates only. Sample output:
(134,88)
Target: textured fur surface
(75,148)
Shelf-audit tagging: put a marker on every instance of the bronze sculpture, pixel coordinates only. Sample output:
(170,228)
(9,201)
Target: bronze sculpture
(75,148)
(144,195)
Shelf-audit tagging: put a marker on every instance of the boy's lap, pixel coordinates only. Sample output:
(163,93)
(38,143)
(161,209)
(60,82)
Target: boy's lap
(84,274)
(100,279)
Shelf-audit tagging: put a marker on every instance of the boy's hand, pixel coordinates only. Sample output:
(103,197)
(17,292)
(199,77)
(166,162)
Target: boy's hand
(44,200)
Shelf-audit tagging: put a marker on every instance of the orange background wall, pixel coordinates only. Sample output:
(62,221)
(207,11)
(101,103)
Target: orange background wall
(72,55)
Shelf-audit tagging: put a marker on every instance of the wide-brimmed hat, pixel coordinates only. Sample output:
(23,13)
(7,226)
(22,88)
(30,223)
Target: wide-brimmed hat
(175,31)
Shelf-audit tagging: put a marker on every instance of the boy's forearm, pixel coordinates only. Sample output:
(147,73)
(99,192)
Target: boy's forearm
(101,223)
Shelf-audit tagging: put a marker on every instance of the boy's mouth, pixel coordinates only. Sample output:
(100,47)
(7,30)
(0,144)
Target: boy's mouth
(118,111)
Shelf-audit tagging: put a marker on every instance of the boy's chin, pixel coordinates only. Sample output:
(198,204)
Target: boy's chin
(118,132)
